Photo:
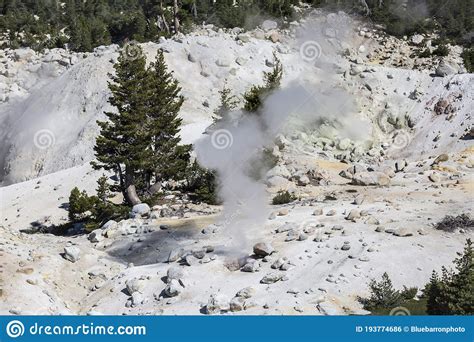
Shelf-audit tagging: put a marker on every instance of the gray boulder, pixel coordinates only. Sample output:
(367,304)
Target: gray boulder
(371,178)
(444,69)
(140,210)
(72,253)
(173,288)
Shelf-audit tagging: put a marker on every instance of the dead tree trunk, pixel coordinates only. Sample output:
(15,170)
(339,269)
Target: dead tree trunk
(367,9)
(162,18)
(175,13)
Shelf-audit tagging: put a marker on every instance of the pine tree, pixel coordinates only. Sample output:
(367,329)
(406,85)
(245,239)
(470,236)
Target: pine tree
(382,294)
(170,159)
(123,144)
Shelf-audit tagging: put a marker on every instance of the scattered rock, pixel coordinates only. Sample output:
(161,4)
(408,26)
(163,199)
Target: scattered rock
(217,303)
(444,69)
(372,220)
(441,158)
(72,253)
(191,260)
(137,299)
(135,285)
(402,232)
(237,304)
(371,178)
(318,212)
(96,236)
(353,215)
(263,249)
(174,273)
(173,288)
(271,278)
(246,292)
(140,210)
(434,177)
(251,266)
(175,254)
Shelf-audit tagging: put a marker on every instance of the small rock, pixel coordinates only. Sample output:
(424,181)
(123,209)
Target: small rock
(434,177)
(252,266)
(174,272)
(137,299)
(96,236)
(217,303)
(173,288)
(191,260)
(246,293)
(135,285)
(353,215)
(402,232)
(237,304)
(372,220)
(72,253)
(263,249)
(271,278)
(140,210)
(175,254)
(318,212)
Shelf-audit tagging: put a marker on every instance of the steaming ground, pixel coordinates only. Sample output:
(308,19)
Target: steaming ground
(328,244)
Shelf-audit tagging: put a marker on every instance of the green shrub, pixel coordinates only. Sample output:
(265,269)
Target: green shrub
(441,51)
(202,184)
(94,211)
(283,197)
(79,204)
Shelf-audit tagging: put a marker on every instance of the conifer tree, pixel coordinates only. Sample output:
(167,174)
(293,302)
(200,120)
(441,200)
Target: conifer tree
(170,159)
(453,292)
(123,145)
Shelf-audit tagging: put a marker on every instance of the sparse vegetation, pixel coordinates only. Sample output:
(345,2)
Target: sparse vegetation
(93,211)
(452,293)
(451,223)
(283,197)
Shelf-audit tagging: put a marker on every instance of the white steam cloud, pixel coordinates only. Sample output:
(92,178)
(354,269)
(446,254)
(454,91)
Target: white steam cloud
(308,100)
